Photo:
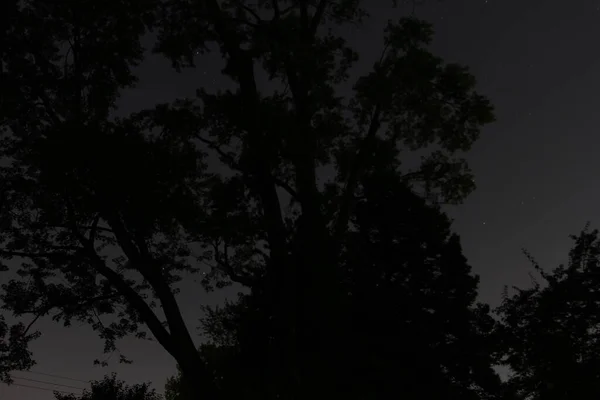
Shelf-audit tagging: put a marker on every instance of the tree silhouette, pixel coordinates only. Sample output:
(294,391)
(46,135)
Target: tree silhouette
(409,315)
(110,388)
(550,331)
(79,185)
(14,353)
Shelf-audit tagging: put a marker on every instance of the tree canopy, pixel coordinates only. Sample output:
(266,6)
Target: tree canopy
(409,314)
(14,353)
(550,331)
(283,211)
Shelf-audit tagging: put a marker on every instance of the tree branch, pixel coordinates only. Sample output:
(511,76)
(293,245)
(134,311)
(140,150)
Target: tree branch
(227,156)
(411,175)
(148,316)
(306,24)
(143,262)
(285,186)
(250,11)
(243,66)
(115,279)
(353,175)
(318,17)
(137,302)
(223,262)
(285,10)
(123,239)
(94,229)
(279,271)
(235,165)
(305,162)
(28,327)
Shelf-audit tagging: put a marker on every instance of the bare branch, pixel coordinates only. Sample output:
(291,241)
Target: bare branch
(38,316)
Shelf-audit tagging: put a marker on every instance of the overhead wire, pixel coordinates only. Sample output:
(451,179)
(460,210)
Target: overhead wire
(52,383)
(55,376)
(80,389)
(46,389)
(47,383)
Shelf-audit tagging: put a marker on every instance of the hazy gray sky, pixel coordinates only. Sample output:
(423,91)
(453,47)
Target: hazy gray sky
(536,167)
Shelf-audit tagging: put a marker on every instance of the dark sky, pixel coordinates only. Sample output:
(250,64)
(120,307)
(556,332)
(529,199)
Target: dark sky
(535,167)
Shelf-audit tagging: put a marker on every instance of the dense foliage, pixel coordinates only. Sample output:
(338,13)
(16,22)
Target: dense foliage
(14,353)
(551,332)
(307,204)
(409,314)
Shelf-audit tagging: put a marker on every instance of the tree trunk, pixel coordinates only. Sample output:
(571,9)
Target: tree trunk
(197,380)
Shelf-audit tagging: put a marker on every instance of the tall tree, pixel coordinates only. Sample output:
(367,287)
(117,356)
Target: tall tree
(90,203)
(410,98)
(551,331)
(78,183)
(110,388)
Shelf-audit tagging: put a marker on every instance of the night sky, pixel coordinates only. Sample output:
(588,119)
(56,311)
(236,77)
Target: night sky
(537,60)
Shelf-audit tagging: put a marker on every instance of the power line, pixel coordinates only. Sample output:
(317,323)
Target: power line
(41,388)
(48,383)
(56,376)
(55,384)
